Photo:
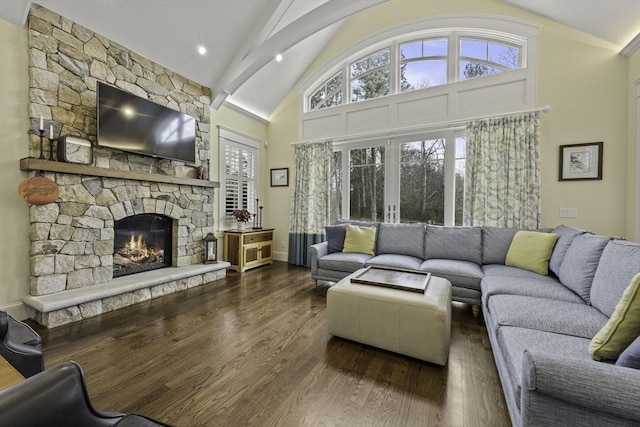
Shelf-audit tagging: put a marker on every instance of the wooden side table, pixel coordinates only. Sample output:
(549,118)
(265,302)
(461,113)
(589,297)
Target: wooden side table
(249,248)
(8,374)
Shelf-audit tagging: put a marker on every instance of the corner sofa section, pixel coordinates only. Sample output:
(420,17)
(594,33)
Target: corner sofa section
(540,326)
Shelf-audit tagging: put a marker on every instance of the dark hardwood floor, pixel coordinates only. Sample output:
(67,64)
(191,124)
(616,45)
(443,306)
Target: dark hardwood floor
(253,350)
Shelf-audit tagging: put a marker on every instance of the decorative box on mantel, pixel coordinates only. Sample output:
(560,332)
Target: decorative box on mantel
(73,241)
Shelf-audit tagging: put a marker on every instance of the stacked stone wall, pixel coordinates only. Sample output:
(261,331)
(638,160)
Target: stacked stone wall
(72,241)
(67,60)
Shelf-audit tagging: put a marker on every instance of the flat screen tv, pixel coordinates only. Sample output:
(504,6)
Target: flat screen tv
(129,123)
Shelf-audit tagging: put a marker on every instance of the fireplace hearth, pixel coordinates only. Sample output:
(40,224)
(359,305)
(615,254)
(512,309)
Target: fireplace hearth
(142,243)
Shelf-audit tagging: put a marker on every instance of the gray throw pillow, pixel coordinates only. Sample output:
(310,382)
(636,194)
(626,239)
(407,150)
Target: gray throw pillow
(620,261)
(630,358)
(580,264)
(401,239)
(335,237)
(495,244)
(565,237)
(459,243)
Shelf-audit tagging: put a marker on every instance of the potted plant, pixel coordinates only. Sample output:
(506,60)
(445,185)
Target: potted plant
(242,216)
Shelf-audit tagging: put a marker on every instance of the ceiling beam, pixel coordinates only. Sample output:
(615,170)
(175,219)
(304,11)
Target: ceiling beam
(317,19)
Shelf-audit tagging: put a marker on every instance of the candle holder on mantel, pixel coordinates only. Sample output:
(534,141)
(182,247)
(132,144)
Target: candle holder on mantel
(51,142)
(41,131)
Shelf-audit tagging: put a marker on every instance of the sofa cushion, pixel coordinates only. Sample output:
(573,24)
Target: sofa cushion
(541,287)
(456,243)
(401,239)
(463,274)
(531,251)
(543,314)
(623,326)
(335,237)
(620,261)
(492,270)
(404,262)
(514,341)
(565,237)
(343,261)
(580,262)
(630,357)
(361,240)
(495,244)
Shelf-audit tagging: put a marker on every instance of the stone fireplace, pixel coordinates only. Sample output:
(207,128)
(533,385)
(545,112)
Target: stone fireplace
(81,265)
(111,242)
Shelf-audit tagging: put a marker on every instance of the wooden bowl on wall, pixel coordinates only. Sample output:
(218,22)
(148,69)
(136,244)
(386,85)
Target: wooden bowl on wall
(38,190)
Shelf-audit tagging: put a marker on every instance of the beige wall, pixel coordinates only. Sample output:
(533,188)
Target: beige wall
(14,212)
(584,82)
(245,125)
(633,154)
(581,77)
(282,130)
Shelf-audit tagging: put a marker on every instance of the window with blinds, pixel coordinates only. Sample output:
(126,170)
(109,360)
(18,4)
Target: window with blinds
(239,158)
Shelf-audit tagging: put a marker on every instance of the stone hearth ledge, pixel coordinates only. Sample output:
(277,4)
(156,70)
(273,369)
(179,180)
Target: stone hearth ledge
(57,309)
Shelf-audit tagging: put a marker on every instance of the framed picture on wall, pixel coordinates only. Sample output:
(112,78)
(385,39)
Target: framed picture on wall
(581,161)
(280,177)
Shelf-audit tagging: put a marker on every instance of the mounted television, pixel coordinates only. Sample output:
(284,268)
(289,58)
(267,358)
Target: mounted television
(129,123)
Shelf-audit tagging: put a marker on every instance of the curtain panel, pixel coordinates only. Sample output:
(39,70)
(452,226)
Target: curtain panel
(310,207)
(502,178)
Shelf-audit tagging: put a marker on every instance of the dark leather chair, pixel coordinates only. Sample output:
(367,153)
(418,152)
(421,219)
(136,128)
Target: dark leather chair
(58,397)
(20,345)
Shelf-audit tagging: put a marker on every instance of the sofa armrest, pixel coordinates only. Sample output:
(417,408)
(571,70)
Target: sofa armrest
(595,390)
(316,252)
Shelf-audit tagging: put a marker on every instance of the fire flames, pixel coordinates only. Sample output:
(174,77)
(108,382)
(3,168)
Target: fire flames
(136,250)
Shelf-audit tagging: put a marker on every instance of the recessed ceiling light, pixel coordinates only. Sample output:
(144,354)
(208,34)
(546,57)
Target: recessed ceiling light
(279,57)
(202,50)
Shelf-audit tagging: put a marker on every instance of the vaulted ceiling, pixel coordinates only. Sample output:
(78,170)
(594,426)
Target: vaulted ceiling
(243,37)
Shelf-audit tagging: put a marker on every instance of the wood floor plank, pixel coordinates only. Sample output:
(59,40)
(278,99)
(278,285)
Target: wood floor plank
(253,350)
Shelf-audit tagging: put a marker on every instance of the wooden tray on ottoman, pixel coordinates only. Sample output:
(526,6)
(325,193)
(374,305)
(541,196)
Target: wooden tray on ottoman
(395,279)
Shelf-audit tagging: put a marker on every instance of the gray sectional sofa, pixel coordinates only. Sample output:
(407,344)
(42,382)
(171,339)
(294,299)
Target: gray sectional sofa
(540,326)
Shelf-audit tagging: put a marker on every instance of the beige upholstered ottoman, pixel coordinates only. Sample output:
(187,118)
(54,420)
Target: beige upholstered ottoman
(404,322)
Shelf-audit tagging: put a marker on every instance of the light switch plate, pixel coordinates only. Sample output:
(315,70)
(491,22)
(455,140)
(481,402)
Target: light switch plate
(568,212)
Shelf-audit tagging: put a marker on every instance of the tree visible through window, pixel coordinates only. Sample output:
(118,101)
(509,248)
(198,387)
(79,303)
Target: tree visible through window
(423,63)
(370,76)
(480,58)
(366,193)
(418,64)
(328,95)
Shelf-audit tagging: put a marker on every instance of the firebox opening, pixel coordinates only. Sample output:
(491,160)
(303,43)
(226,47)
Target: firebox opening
(142,243)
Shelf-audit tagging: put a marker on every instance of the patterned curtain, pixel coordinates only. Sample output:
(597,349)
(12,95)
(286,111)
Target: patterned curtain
(502,178)
(310,199)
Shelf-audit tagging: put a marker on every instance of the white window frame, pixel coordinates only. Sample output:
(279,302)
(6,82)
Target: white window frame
(392,176)
(228,137)
(453,37)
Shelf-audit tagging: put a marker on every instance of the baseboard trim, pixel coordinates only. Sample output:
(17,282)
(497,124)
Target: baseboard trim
(17,310)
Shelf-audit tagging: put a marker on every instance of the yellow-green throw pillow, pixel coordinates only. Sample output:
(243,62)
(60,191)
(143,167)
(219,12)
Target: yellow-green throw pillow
(622,328)
(531,250)
(359,239)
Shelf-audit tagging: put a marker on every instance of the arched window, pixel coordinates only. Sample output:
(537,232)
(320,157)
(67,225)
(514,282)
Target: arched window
(417,61)
(483,57)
